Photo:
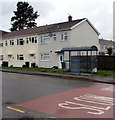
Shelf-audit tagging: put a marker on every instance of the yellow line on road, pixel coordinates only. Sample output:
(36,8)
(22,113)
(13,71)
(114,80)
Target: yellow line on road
(16,109)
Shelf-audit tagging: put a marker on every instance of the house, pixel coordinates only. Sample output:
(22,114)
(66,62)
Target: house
(41,46)
(1,44)
(104,44)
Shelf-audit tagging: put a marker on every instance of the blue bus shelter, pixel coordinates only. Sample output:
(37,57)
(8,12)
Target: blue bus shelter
(80,59)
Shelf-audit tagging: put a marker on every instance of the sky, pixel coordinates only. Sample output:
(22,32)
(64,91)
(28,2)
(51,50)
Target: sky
(98,12)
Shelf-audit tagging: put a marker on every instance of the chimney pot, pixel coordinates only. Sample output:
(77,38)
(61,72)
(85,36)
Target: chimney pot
(69,18)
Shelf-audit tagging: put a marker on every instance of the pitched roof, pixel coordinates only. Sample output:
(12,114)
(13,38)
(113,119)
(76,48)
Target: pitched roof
(3,32)
(106,42)
(44,29)
(84,48)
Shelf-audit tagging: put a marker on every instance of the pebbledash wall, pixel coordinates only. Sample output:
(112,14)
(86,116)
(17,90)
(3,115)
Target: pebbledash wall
(44,49)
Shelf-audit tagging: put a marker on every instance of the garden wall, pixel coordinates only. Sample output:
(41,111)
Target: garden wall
(106,62)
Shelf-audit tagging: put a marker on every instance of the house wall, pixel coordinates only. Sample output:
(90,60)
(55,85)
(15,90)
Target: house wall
(84,35)
(51,47)
(1,54)
(15,49)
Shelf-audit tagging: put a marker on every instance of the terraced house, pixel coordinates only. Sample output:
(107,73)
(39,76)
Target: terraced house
(41,46)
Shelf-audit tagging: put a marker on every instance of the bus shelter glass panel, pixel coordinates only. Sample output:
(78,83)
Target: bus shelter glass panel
(66,61)
(75,61)
(85,62)
(94,61)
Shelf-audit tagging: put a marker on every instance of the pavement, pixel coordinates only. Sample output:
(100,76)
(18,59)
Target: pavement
(65,75)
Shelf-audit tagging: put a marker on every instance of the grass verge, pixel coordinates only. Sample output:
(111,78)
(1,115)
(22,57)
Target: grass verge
(49,70)
(101,73)
(106,73)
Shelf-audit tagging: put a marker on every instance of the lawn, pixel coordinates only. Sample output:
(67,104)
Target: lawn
(49,70)
(101,73)
(106,73)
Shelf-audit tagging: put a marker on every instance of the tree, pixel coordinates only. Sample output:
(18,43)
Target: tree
(24,17)
(109,50)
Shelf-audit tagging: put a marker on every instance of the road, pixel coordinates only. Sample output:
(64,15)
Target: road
(48,97)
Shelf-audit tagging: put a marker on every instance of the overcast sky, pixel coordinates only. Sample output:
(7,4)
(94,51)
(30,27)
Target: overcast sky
(99,12)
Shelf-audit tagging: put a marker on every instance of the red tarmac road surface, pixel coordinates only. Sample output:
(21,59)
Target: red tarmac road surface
(90,102)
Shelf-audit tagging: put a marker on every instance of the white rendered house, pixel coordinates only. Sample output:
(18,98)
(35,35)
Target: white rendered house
(41,46)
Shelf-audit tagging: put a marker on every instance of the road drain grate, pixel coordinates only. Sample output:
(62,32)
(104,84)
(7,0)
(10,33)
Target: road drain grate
(9,103)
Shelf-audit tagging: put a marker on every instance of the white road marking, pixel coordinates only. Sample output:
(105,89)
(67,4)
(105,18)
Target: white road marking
(111,88)
(107,102)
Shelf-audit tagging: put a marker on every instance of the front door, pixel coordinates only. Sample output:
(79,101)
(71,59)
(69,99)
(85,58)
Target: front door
(60,61)
(32,59)
(9,60)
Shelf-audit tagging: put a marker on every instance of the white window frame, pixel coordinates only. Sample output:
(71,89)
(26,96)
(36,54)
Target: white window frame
(20,42)
(45,57)
(6,43)
(27,40)
(11,42)
(34,39)
(20,57)
(1,44)
(1,57)
(64,36)
(45,39)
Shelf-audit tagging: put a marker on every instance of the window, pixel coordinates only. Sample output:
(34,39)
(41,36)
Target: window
(20,42)
(30,39)
(20,57)
(1,57)
(27,41)
(45,57)
(11,42)
(44,39)
(1,44)
(35,39)
(6,43)
(54,37)
(64,36)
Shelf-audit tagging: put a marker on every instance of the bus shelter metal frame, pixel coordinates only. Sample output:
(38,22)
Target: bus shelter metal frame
(88,61)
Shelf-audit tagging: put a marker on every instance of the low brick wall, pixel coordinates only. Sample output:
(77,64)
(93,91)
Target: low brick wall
(106,62)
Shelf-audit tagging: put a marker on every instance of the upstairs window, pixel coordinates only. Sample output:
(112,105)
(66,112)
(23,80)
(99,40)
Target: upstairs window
(34,39)
(20,57)
(27,41)
(20,42)
(64,36)
(1,44)
(44,39)
(6,43)
(11,42)
(30,39)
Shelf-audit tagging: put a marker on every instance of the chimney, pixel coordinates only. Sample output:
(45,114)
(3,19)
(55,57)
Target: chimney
(69,18)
